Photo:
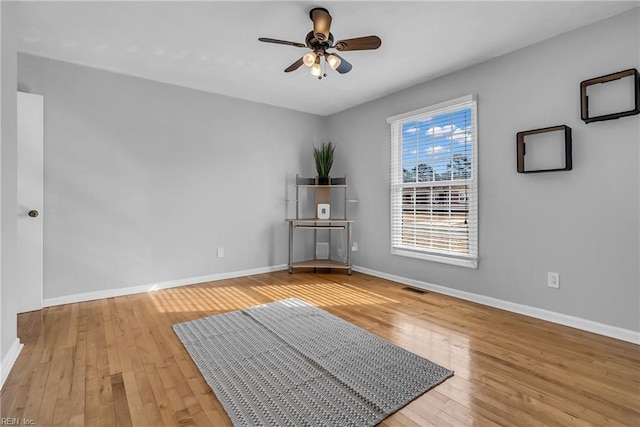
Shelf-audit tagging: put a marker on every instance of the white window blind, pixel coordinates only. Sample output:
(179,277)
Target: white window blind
(434,192)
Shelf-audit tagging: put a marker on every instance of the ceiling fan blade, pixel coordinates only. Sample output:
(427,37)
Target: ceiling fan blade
(294,66)
(345,66)
(268,40)
(321,23)
(358,43)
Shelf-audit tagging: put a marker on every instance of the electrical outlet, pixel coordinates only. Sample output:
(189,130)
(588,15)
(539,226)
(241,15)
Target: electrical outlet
(553,280)
(220,252)
(354,247)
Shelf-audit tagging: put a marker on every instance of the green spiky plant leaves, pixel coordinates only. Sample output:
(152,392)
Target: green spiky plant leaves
(324,159)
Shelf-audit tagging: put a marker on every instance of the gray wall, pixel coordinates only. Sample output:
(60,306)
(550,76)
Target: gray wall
(144,180)
(8,178)
(583,224)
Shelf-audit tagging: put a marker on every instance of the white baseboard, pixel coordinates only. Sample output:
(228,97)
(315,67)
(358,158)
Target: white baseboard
(9,360)
(539,313)
(110,293)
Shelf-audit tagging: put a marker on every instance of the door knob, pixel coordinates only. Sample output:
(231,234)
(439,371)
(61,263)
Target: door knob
(33,213)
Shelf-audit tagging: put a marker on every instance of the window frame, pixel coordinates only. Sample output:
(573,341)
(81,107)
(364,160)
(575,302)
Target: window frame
(396,122)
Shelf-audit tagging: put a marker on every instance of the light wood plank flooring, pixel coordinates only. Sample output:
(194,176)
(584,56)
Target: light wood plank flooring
(117,362)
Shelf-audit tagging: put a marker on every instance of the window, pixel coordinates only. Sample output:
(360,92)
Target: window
(434,196)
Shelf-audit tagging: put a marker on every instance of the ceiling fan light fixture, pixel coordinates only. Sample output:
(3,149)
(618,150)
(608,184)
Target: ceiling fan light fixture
(316,70)
(319,40)
(309,59)
(333,61)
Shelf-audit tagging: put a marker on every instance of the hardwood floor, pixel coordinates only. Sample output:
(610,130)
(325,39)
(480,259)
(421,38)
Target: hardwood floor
(117,362)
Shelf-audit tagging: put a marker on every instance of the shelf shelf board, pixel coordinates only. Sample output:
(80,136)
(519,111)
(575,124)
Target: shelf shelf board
(320,263)
(320,227)
(321,186)
(321,221)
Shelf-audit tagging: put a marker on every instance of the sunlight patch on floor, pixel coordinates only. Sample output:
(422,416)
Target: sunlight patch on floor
(202,299)
(323,294)
(214,298)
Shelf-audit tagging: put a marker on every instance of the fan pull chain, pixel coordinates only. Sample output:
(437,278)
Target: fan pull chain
(324,74)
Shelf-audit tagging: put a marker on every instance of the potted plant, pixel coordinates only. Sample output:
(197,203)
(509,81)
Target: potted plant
(324,160)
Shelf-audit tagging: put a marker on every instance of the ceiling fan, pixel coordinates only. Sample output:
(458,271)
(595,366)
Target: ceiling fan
(320,40)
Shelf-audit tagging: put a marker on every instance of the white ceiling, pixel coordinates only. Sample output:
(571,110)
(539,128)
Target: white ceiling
(213,46)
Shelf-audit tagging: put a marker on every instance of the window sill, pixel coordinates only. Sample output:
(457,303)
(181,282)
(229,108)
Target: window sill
(460,262)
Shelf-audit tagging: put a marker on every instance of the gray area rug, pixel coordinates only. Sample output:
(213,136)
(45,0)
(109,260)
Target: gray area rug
(288,363)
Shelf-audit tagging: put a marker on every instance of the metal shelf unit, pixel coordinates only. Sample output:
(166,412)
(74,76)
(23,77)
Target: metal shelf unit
(322,194)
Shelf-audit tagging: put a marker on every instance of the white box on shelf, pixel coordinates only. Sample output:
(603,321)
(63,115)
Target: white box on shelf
(322,250)
(324,211)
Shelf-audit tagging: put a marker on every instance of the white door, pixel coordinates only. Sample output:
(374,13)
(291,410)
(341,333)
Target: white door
(30,200)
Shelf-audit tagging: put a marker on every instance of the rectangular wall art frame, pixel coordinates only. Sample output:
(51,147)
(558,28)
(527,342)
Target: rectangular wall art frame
(522,148)
(584,98)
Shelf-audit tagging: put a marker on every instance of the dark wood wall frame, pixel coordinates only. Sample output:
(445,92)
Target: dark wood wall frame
(584,98)
(522,148)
